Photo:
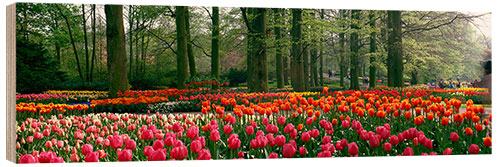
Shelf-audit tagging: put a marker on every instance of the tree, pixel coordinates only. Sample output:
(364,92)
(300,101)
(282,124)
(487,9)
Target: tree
(182,55)
(373,48)
(321,52)
(256,55)
(130,38)
(395,47)
(261,78)
(87,59)
(354,50)
(390,59)
(93,43)
(72,41)
(342,50)
(215,43)
(279,49)
(192,64)
(115,43)
(297,64)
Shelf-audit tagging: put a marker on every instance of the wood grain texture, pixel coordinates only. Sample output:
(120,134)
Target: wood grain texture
(11,83)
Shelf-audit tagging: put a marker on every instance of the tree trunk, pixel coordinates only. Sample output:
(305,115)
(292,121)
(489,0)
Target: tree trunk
(297,68)
(115,43)
(321,80)
(286,70)
(305,59)
(354,51)
(182,55)
(373,48)
(279,50)
(87,60)
(215,43)
(260,58)
(144,53)
(93,44)
(342,52)
(397,49)
(137,63)
(314,68)
(192,64)
(390,60)
(72,42)
(130,35)
(250,41)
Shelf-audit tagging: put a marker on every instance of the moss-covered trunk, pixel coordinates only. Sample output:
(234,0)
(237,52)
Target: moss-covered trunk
(115,42)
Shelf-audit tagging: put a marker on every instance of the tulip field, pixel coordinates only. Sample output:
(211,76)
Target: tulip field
(56,127)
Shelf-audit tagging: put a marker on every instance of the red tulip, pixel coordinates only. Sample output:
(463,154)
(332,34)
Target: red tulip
(280,140)
(325,154)
(387,147)
(374,140)
(147,134)
(204,155)
(447,151)
(116,142)
(281,120)
(57,160)
(487,141)
(105,143)
(327,139)
(328,147)
(249,130)
(195,146)
(148,150)
(394,140)
(345,124)
(179,153)
(193,132)
(130,144)
(306,136)
(309,121)
(158,144)
(27,159)
(408,151)
(302,151)
(353,149)
(227,129)
(289,150)
(234,143)
(87,148)
(343,142)
(272,156)
(338,146)
(157,155)
(214,135)
(124,155)
(29,139)
(428,144)
(91,157)
(241,154)
(474,149)
(454,136)
(45,157)
(74,157)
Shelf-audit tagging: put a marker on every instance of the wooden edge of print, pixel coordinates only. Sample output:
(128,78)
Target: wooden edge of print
(11,83)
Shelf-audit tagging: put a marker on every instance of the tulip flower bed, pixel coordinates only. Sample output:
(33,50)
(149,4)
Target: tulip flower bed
(295,125)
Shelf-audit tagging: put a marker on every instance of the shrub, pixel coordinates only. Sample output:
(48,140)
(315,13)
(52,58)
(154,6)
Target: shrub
(235,76)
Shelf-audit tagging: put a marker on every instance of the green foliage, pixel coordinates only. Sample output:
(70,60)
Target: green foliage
(143,83)
(235,76)
(78,84)
(36,70)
